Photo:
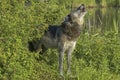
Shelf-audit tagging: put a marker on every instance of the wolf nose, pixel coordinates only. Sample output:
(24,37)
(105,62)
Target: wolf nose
(82,7)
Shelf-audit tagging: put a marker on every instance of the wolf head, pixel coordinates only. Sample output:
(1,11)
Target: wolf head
(77,15)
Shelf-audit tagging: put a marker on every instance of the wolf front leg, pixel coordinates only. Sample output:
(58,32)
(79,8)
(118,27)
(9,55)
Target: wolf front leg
(69,53)
(61,56)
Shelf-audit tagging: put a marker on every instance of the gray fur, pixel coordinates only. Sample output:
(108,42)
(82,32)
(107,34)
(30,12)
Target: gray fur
(63,37)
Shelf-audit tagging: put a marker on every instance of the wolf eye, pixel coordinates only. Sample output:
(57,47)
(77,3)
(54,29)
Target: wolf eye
(68,15)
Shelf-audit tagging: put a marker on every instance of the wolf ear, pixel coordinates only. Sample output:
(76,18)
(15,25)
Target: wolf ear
(82,7)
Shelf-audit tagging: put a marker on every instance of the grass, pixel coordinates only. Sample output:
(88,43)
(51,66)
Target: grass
(97,53)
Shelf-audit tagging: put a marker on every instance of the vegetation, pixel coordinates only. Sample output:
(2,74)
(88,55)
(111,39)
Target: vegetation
(97,54)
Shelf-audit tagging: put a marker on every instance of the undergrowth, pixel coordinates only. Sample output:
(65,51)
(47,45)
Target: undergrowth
(96,57)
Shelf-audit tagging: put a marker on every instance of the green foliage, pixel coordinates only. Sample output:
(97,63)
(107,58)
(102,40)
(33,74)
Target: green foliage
(96,57)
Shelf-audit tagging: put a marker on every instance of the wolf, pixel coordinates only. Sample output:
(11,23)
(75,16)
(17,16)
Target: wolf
(62,37)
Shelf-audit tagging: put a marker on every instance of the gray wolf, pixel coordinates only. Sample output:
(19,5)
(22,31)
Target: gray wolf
(62,37)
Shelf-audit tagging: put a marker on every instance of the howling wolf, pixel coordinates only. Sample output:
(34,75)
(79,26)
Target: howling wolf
(62,37)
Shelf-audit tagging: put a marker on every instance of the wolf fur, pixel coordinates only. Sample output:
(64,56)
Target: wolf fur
(62,37)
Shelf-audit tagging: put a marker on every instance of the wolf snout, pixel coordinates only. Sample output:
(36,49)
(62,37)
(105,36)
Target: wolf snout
(82,8)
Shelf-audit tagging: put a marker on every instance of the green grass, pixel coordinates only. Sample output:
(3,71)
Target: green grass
(97,53)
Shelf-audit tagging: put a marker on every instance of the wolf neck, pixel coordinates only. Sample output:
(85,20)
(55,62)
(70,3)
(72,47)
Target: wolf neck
(73,31)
